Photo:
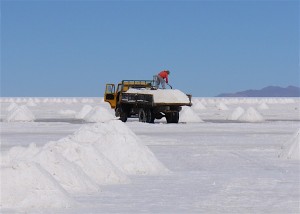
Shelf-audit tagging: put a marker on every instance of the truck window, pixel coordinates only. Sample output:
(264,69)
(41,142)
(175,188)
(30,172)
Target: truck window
(110,89)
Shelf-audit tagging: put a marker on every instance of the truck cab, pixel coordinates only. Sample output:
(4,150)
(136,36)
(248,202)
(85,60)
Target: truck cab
(113,95)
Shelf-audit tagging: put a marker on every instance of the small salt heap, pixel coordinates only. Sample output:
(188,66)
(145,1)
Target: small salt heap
(20,114)
(239,111)
(187,115)
(99,114)
(251,115)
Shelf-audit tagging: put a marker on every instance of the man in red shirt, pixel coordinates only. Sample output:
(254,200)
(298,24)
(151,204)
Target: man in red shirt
(162,78)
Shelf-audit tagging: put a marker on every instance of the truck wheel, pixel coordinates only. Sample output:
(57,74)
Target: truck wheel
(117,112)
(172,117)
(142,116)
(122,114)
(150,116)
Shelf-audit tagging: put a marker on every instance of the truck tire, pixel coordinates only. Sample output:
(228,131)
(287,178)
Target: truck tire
(172,117)
(142,116)
(122,114)
(150,117)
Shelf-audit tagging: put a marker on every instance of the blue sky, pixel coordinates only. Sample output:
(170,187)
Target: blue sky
(73,48)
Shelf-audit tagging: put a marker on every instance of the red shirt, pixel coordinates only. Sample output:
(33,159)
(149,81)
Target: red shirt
(164,75)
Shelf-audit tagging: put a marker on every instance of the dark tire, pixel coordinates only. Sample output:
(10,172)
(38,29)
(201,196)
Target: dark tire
(122,114)
(142,116)
(150,117)
(117,112)
(172,117)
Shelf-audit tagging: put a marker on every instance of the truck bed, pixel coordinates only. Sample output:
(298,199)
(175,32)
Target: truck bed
(156,97)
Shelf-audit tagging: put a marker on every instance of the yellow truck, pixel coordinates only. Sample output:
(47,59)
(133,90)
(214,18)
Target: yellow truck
(139,98)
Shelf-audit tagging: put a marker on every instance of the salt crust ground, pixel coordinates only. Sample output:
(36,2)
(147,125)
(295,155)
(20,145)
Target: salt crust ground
(201,157)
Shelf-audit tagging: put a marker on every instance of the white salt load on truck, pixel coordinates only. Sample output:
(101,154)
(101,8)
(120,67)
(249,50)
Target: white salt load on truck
(291,149)
(163,95)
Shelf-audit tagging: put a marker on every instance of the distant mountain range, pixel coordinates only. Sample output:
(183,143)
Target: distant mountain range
(270,91)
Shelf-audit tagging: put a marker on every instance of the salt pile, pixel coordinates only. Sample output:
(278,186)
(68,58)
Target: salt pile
(221,106)
(28,185)
(12,106)
(84,111)
(239,111)
(251,115)
(99,114)
(291,149)
(198,106)
(263,106)
(187,115)
(67,112)
(31,103)
(20,114)
(90,160)
(121,147)
(97,154)
(68,175)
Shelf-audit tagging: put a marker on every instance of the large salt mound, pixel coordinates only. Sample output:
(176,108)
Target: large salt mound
(22,114)
(187,115)
(251,115)
(84,111)
(236,113)
(99,114)
(121,147)
(89,160)
(291,149)
(68,175)
(27,185)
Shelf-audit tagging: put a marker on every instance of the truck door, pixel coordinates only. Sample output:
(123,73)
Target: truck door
(110,95)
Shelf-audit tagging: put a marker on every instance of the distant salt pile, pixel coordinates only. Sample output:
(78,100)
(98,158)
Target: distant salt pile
(251,115)
(187,115)
(20,114)
(12,106)
(291,149)
(263,106)
(221,106)
(239,111)
(198,106)
(99,114)
(95,155)
(84,111)
(31,103)
(67,112)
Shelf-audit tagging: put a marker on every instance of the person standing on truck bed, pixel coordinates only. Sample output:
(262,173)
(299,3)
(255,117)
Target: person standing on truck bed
(162,78)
